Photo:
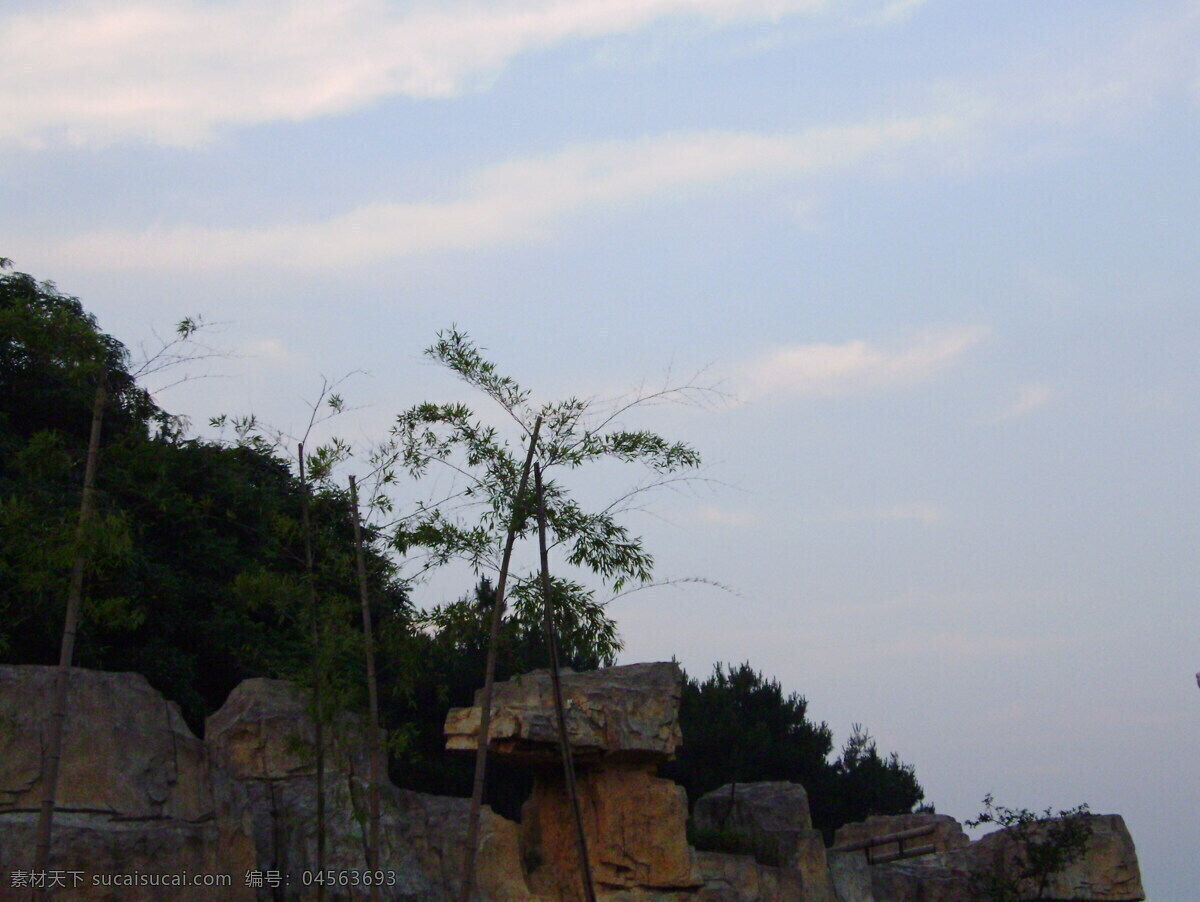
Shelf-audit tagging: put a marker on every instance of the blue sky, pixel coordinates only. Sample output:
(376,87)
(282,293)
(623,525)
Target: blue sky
(940,256)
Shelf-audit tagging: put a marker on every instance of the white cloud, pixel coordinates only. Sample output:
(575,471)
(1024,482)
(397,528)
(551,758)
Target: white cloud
(720,516)
(1030,397)
(511,202)
(271,351)
(854,367)
(895,11)
(1051,98)
(173,71)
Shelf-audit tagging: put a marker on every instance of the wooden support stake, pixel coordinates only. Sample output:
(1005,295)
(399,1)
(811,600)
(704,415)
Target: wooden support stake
(585,867)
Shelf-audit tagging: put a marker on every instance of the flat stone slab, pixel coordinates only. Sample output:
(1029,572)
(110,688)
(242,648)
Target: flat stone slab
(630,711)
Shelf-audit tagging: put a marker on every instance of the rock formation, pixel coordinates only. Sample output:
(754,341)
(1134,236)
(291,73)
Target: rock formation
(621,723)
(1106,872)
(773,819)
(142,801)
(140,795)
(945,833)
(137,794)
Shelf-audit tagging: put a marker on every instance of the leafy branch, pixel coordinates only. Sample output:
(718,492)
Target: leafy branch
(1045,844)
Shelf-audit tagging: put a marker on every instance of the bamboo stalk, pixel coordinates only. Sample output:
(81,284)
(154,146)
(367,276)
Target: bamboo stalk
(318,712)
(585,867)
(67,650)
(372,697)
(485,720)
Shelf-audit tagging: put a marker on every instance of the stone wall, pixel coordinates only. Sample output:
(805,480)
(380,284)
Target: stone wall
(141,797)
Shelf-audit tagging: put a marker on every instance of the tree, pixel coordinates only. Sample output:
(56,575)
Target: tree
(740,727)
(1043,846)
(865,783)
(195,553)
(450,435)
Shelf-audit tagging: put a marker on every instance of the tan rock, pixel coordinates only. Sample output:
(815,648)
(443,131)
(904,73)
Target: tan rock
(947,833)
(500,876)
(139,808)
(772,820)
(265,731)
(126,750)
(917,880)
(1107,872)
(635,822)
(850,876)
(746,880)
(265,736)
(632,711)
(99,859)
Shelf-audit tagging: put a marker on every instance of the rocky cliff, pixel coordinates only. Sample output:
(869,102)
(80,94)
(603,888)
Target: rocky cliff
(148,812)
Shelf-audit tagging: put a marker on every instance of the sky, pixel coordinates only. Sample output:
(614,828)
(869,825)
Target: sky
(931,262)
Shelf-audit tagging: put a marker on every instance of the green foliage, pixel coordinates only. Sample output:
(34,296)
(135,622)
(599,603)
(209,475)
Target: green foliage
(1045,845)
(195,552)
(447,655)
(472,524)
(864,783)
(740,727)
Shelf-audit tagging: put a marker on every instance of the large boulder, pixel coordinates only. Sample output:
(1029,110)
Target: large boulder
(126,750)
(771,820)
(636,826)
(744,879)
(1106,872)
(265,731)
(630,711)
(149,813)
(926,881)
(265,737)
(137,795)
(500,875)
(850,876)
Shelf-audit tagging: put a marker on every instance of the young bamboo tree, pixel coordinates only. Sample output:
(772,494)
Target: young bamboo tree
(491,476)
(70,625)
(46,327)
(310,467)
(519,515)
(374,747)
(317,669)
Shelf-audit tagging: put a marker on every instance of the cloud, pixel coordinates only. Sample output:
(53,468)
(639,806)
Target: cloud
(271,351)
(1030,397)
(174,71)
(724,517)
(922,512)
(895,11)
(511,202)
(854,367)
